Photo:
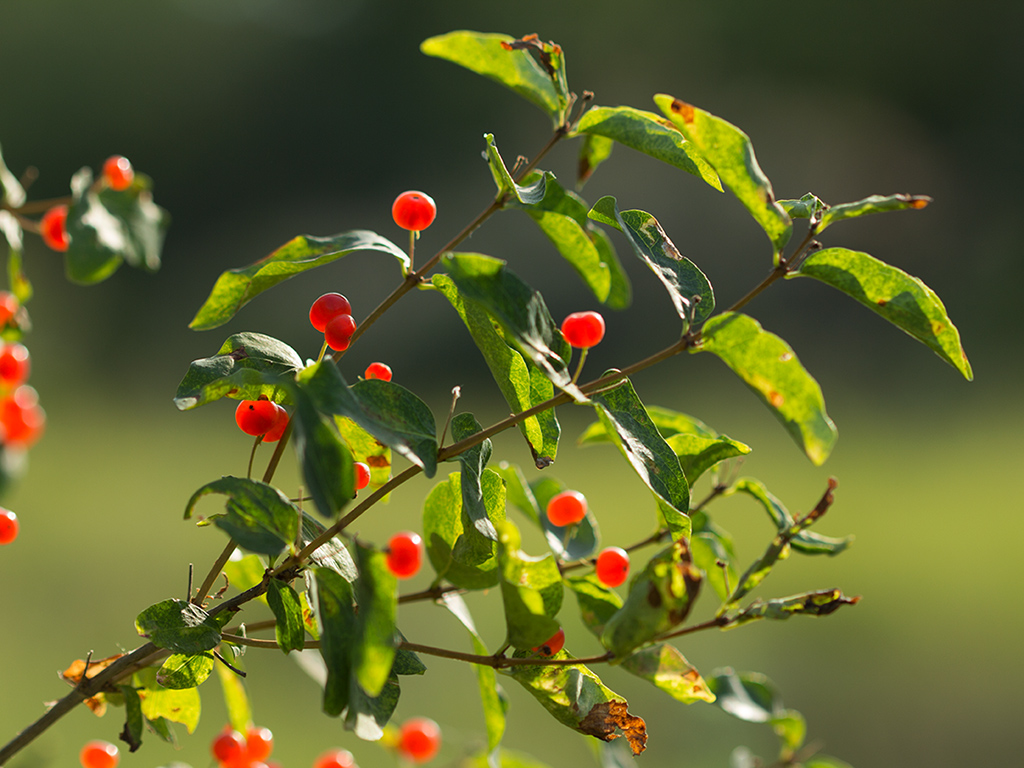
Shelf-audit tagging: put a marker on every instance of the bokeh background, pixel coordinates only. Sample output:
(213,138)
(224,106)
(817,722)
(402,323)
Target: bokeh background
(263,119)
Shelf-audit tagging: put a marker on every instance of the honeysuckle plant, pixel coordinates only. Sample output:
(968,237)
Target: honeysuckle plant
(335,599)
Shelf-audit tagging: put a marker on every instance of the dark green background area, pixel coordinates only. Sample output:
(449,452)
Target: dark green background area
(263,119)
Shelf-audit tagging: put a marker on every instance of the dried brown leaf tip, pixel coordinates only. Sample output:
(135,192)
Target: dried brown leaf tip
(79,667)
(542,51)
(684,110)
(610,720)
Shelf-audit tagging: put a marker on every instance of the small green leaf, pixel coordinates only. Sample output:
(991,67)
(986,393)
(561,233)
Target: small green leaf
(699,454)
(527,194)
(491,55)
(531,590)
(729,151)
(179,626)
(809,206)
(133,720)
(683,279)
(869,205)
(327,466)
(377,598)
(182,671)
(258,516)
(902,299)
(748,696)
(522,385)
(236,702)
(820,603)
(648,133)
(444,528)
(624,416)
(519,310)
(667,669)
(388,411)
(768,365)
(577,698)
(660,598)
(245,367)
(791,728)
(289,629)
(597,602)
(236,287)
(562,216)
(178,706)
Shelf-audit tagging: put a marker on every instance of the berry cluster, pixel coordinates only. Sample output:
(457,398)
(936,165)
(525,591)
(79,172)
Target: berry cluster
(118,175)
(262,417)
(21,417)
(233,749)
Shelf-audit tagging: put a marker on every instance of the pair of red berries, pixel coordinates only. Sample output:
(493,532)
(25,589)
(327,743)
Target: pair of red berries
(118,174)
(262,417)
(233,749)
(331,314)
(99,754)
(569,508)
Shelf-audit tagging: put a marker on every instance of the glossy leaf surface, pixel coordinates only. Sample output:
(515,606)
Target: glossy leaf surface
(730,153)
(377,597)
(768,365)
(237,287)
(668,422)
(668,670)
(902,299)
(181,671)
(257,516)
(288,629)
(179,626)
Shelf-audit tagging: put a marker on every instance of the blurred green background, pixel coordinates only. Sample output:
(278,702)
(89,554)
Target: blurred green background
(263,119)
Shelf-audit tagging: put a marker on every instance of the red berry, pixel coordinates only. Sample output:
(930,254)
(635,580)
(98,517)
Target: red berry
(338,332)
(229,746)
(256,417)
(118,172)
(53,228)
(567,508)
(553,645)
(378,371)
(583,329)
(419,739)
(8,526)
(612,566)
(259,743)
(99,754)
(21,417)
(14,364)
(9,305)
(414,210)
(405,552)
(362,471)
(327,306)
(278,427)
(336,758)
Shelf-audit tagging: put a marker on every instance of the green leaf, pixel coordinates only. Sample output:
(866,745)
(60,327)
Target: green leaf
(729,151)
(768,365)
(495,704)
(648,133)
(710,547)
(577,698)
(567,542)
(331,554)
(522,385)
(506,758)
(597,602)
(660,597)
(245,571)
(327,466)
(699,454)
(667,668)
(245,367)
(377,598)
(133,720)
(528,194)
(820,603)
(178,706)
(388,411)
(594,150)
(791,728)
(236,287)
(667,421)
(807,542)
(236,702)
(531,590)
(623,415)
(332,603)
(487,55)
(902,299)
(519,310)
(284,602)
(748,696)
(809,206)
(444,528)
(366,448)
(562,216)
(479,534)
(182,671)
(258,516)
(179,626)
(869,205)
(367,715)
(683,279)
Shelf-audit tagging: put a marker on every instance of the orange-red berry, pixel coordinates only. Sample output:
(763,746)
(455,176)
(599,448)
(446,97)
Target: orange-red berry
(583,329)
(14,364)
(362,472)
(405,553)
(414,210)
(259,743)
(552,645)
(118,172)
(8,526)
(53,228)
(567,508)
(9,305)
(612,566)
(99,754)
(229,746)
(256,417)
(325,308)
(336,758)
(21,417)
(338,332)
(277,429)
(419,739)
(378,371)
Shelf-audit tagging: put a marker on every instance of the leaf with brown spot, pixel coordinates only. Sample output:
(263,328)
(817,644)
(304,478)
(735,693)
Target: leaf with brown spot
(605,719)
(73,676)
